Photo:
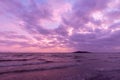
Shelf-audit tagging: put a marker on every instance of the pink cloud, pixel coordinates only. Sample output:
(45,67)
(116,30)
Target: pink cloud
(65,25)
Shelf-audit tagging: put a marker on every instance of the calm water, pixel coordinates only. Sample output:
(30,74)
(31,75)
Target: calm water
(26,62)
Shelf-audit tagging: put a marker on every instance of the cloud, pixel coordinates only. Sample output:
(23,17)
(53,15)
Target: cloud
(81,24)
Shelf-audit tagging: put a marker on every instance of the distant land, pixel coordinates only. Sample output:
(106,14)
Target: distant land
(81,52)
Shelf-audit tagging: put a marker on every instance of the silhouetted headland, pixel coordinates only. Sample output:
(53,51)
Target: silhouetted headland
(81,52)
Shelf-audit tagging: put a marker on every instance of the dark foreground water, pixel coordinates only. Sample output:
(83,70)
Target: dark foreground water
(91,66)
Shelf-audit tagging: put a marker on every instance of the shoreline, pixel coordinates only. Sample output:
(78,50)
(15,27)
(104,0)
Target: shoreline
(69,73)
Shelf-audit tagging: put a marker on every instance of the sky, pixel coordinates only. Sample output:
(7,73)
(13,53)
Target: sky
(59,25)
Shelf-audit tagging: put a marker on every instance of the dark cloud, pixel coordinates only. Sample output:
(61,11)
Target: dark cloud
(13,35)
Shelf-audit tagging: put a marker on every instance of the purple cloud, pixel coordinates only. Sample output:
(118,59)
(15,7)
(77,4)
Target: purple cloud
(81,24)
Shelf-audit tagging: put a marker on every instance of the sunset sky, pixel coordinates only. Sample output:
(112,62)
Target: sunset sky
(59,25)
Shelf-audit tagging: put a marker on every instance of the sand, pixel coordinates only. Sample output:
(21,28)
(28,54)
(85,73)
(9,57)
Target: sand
(70,73)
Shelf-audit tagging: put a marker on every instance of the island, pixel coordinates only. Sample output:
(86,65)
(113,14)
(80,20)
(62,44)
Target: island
(81,52)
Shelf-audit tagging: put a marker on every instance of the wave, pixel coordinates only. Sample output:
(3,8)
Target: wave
(36,69)
(26,64)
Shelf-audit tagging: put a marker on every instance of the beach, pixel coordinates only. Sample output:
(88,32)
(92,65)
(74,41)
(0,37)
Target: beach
(66,66)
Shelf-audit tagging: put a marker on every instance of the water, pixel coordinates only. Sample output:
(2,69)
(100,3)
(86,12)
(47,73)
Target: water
(26,62)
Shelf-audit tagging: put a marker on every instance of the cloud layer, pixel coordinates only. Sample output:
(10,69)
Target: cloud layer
(61,25)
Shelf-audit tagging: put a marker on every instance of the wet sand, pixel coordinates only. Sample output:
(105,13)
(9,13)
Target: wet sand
(70,73)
